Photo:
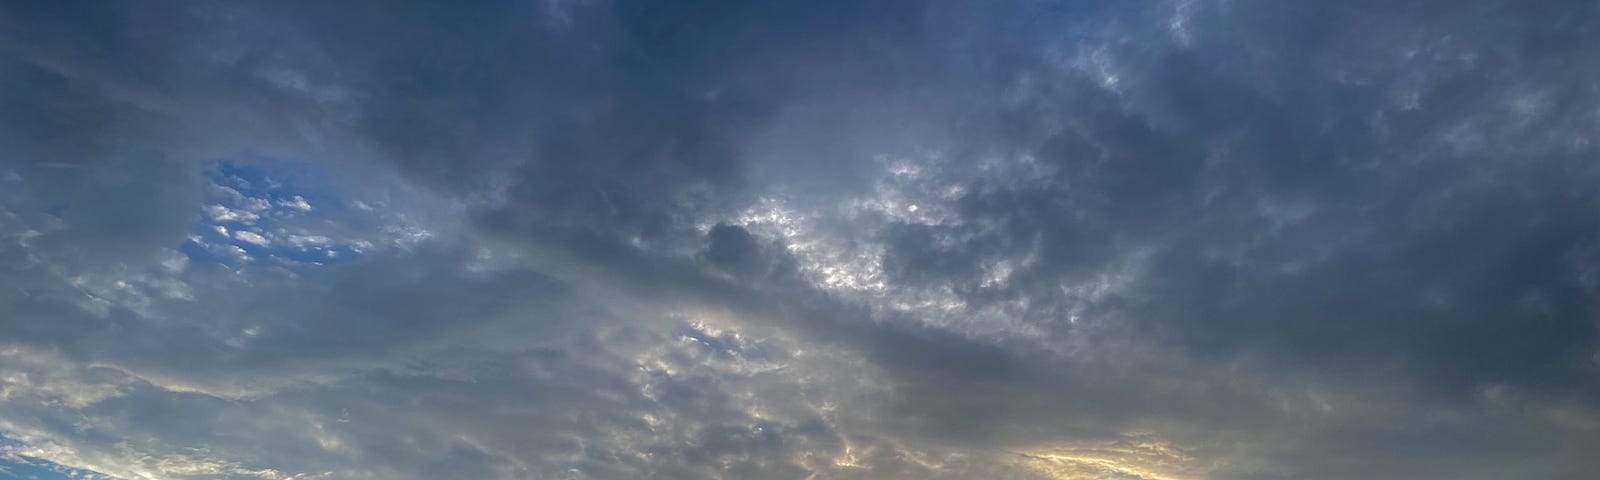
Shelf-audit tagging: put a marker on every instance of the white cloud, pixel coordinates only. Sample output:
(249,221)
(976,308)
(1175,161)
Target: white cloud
(297,203)
(48,378)
(219,213)
(251,237)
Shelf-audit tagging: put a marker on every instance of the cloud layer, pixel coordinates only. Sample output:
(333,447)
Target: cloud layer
(1187,240)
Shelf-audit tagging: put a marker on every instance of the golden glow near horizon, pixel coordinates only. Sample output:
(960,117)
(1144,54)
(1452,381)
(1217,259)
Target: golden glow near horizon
(1139,458)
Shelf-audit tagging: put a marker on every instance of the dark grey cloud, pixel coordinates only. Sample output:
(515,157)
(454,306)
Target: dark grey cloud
(638,239)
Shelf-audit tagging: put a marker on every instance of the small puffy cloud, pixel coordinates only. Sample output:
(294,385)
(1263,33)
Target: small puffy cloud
(297,203)
(219,213)
(251,238)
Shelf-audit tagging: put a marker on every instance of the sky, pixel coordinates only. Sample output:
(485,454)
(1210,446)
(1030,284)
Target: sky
(732,239)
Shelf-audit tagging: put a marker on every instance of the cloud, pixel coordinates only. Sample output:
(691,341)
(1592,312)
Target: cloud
(251,237)
(637,239)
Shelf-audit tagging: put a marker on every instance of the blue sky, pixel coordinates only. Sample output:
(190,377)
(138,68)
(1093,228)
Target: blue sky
(34,469)
(29,471)
(921,239)
(21,466)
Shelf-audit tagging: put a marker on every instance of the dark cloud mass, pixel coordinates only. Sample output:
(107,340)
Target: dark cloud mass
(575,239)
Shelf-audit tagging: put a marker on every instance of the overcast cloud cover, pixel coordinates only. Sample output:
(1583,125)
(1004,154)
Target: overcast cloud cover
(692,239)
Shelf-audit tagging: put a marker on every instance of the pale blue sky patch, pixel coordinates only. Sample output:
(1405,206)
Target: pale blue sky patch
(287,212)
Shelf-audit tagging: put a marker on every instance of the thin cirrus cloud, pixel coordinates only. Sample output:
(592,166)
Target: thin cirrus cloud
(1179,240)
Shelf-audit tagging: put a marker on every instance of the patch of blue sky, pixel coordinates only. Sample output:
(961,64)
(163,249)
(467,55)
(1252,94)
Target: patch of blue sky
(280,211)
(29,469)
(23,467)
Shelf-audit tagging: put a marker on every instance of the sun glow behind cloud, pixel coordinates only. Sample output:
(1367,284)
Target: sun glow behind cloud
(1138,458)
